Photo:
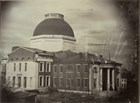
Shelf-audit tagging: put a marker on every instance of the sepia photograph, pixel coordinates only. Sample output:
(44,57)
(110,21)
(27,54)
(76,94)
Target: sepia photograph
(64,51)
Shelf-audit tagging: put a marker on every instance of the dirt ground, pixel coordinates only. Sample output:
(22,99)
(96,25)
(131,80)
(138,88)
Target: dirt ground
(74,98)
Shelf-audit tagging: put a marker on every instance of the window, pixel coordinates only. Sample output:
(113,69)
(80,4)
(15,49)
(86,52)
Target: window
(13,81)
(30,81)
(44,66)
(41,67)
(61,68)
(47,81)
(78,82)
(85,82)
(122,85)
(60,81)
(95,83)
(19,66)
(22,59)
(25,82)
(71,82)
(25,66)
(55,81)
(117,82)
(28,58)
(67,82)
(69,68)
(14,66)
(125,80)
(78,68)
(11,59)
(86,68)
(41,81)
(19,81)
(55,68)
(95,70)
(48,67)
(125,85)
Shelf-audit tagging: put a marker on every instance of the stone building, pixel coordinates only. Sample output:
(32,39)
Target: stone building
(86,73)
(3,66)
(52,62)
(29,68)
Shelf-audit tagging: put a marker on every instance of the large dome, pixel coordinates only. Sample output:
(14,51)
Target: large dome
(54,24)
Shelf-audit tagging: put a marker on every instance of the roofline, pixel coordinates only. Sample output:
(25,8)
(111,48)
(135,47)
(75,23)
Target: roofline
(71,62)
(112,63)
(20,48)
(53,36)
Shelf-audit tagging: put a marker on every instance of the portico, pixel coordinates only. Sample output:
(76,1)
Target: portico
(107,80)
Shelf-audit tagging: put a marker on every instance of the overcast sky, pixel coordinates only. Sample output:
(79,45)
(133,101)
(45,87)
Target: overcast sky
(93,22)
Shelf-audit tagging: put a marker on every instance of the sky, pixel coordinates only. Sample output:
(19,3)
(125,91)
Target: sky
(94,22)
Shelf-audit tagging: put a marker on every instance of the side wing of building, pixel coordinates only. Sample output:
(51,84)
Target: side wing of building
(29,68)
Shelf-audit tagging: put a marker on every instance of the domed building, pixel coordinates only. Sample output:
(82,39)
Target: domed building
(53,34)
(52,62)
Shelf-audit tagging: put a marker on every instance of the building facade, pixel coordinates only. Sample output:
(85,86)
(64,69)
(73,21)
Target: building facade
(28,68)
(52,62)
(3,66)
(86,73)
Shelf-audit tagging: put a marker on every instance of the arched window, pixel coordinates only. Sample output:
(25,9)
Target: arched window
(95,70)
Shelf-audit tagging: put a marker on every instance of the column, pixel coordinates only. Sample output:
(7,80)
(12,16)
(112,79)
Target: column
(101,79)
(108,79)
(90,79)
(113,79)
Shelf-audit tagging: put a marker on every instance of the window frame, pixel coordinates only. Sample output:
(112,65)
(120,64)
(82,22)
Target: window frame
(14,66)
(41,66)
(14,81)
(61,68)
(86,68)
(78,82)
(26,66)
(54,81)
(95,69)
(85,84)
(41,83)
(60,81)
(95,83)
(55,68)
(47,84)
(19,82)
(25,82)
(67,82)
(48,67)
(31,81)
(78,66)
(19,66)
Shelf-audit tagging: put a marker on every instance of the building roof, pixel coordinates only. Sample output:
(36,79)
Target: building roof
(77,58)
(62,55)
(73,57)
(53,26)
(39,51)
(107,61)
